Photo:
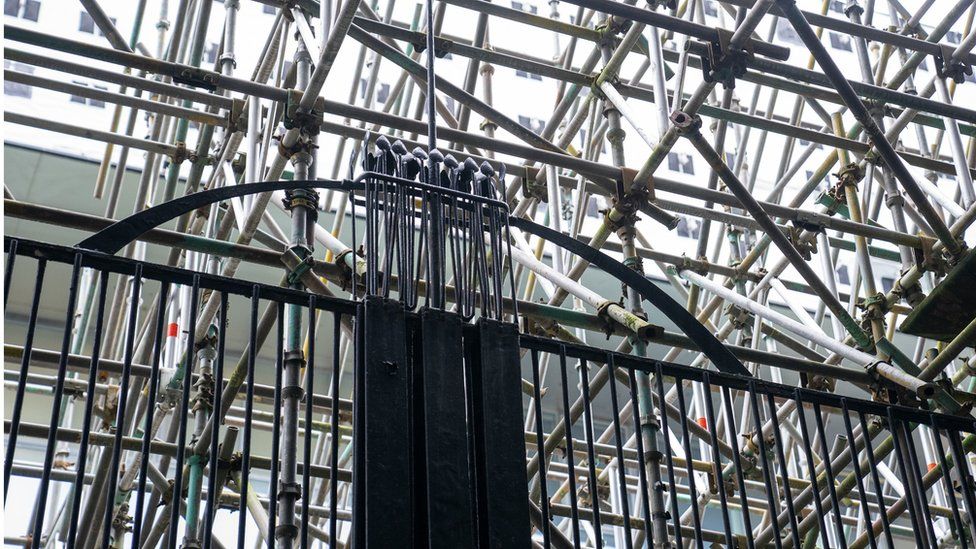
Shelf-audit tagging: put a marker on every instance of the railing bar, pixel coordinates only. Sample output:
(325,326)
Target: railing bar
(894,426)
(686,444)
(781,457)
(276,430)
(83,447)
(666,431)
(591,458)
(712,424)
(18,406)
(965,478)
(822,435)
(540,450)
(214,418)
(184,411)
(618,443)
(570,456)
(876,479)
(771,490)
(309,391)
(147,430)
(957,523)
(134,297)
(858,475)
(248,413)
(731,431)
(923,499)
(334,417)
(7,278)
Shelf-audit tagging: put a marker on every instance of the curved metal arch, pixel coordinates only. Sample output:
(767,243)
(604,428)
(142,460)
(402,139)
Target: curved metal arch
(118,235)
(714,349)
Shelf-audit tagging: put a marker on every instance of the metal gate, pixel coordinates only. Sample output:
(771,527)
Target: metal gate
(414,428)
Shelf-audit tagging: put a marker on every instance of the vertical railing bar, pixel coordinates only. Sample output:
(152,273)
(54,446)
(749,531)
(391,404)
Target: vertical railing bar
(252,352)
(730,429)
(716,456)
(855,462)
(965,478)
(822,435)
(876,479)
(686,444)
(958,525)
(590,454)
(668,457)
(8,274)
(771,490)
(641,453)
(334,427)
(619,444)
(276,430)
(83,447)
(781,457)
(570,457)
(309,393)
(540,450)
(123,394)
(147,430)
(923,499)
(184,412)
(18,406)
(910,497)
(215,420)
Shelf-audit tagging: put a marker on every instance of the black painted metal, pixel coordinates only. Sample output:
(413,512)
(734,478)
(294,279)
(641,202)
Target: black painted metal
(486,408)
(117,236)
(387,480)
(500,441)
(449,478)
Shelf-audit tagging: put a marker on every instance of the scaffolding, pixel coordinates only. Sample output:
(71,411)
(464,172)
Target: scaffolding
(748,421)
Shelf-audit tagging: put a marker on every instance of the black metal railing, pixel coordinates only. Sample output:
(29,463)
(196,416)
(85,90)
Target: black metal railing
(654,451)
(107,457)
(739,481)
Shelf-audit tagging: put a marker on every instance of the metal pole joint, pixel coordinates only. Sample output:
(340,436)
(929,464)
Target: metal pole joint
(947,66)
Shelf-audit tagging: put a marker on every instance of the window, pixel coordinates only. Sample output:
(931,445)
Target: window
(448,102)
(383,93)
(87,25)
(97,103)
(711,9)
(681,163)
(270,9)
(954,37)
(843,276)
(593,206)
(533,124)
(786,32)
(25,9)
(529,75)
(17,89)
(837,5)
(887,283)
(730,159)
(210,53)
(841,42)
(528,8)
(688,228)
